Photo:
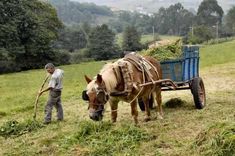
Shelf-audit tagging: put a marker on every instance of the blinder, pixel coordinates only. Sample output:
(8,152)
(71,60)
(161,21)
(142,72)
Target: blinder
(85,97)
(101,96)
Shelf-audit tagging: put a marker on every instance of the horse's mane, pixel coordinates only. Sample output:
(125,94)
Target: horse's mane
(109,76)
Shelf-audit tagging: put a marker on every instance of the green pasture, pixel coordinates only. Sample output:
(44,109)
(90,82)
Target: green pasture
(183,131)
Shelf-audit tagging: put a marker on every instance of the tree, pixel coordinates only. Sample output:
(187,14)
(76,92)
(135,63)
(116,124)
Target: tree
(209,13)
(131,39)
(201,34)
(173,20)
(71,39)
(27,29)
(230,20)
(101,44)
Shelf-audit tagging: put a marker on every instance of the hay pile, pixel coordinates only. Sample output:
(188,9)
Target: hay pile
(13,128)
(218,139)
(175,102)
(165,52)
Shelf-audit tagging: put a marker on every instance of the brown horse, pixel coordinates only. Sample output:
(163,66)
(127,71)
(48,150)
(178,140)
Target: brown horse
(108,86)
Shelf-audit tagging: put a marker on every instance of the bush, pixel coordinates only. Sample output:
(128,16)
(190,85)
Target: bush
(79,56)
(8,66)
(62,57)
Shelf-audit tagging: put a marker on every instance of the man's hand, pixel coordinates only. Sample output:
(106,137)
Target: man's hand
(40,93)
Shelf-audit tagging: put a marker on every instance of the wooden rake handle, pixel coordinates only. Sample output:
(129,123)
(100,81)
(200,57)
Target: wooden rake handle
(36,101)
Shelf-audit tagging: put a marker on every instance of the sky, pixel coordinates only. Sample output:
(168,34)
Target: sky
(153,5)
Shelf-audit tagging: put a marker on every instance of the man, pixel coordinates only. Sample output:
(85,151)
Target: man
(54,87)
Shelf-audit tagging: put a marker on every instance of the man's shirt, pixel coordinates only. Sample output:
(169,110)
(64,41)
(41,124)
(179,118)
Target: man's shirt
(56,80)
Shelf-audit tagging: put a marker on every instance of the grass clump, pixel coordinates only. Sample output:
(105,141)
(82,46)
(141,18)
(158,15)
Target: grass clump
(104,138)
(174,103)
(15,128)
(218,139)
(2,114)
(166,52)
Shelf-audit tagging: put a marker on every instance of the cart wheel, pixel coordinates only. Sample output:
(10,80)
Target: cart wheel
(141,103)
(198,91)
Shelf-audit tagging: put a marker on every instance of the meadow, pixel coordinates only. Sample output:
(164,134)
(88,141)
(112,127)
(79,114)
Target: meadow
(183,131)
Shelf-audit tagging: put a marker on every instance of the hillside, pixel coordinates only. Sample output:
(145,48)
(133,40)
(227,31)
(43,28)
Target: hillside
(153,6)
(181,132)
(74,12)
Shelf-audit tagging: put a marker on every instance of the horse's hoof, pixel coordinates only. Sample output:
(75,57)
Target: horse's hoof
(146,119)
(160,117)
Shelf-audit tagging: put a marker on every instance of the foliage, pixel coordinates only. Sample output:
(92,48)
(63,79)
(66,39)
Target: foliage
(230,20)
(14,128)
(74,12)
(102,44)
(80,56)
(219,40)
(174,20)
(27,29)
(166,52)
(209,13)
(218,139)
(131,39)
(71,39)
(200,34)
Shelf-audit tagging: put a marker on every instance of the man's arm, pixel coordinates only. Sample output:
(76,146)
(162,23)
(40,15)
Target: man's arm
(45,90)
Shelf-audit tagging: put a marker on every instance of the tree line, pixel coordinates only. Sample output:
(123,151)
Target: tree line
(32,34)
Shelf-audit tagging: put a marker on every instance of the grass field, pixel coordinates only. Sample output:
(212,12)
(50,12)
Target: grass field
(179,133)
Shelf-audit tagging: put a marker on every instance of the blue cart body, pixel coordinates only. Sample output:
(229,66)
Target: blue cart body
(184,69)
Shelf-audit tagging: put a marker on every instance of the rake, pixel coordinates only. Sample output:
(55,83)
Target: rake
(36,101)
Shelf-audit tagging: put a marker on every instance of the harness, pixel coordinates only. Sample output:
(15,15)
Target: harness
(124,71)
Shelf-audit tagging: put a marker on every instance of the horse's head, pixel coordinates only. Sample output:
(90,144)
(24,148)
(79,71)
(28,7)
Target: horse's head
(97,96)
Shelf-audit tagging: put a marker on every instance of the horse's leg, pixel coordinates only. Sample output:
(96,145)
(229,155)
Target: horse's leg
(114,108)
(134,111)
(159,103)
(147,110)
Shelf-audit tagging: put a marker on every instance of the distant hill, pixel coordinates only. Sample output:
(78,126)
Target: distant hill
(154,5)
(71,12)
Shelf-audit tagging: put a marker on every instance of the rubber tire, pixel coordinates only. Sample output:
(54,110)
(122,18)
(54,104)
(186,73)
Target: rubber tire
(141,104)
(199,94)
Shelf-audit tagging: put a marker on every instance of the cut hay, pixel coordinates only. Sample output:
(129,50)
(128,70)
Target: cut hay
(14,128)
(165,52)
(174,103)
(104,138)
(218,139)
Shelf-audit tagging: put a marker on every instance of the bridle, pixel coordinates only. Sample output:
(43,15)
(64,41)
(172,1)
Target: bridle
(102,97)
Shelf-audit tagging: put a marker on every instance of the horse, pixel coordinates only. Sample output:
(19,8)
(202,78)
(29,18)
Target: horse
(108,86)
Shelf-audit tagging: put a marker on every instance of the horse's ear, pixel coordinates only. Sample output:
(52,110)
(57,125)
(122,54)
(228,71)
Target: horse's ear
(88,80)
(99,78)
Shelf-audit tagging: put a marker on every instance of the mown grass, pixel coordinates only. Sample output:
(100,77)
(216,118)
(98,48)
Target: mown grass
(218,139)
(177,134)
